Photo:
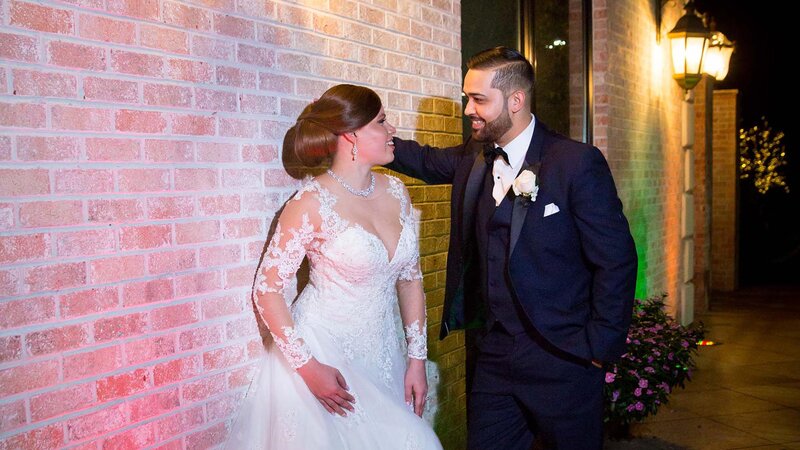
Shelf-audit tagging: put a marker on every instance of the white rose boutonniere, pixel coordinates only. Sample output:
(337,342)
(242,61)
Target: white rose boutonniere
(526,185)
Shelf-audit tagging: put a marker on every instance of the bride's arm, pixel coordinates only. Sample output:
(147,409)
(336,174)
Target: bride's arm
(295,233)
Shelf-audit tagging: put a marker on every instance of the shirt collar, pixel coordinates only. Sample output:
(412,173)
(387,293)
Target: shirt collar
(518,146)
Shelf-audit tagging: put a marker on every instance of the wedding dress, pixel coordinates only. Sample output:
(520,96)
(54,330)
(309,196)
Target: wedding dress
(346,317)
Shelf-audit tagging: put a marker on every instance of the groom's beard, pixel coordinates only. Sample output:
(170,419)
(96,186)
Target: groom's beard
(494,130)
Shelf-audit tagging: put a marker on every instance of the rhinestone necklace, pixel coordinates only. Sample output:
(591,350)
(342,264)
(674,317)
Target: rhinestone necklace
(350,189)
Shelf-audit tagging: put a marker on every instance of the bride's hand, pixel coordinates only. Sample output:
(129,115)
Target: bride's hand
(328,385)
(416,383)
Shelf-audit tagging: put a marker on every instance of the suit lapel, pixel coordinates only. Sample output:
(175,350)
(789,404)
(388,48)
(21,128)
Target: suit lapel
(471,191)
(522,205)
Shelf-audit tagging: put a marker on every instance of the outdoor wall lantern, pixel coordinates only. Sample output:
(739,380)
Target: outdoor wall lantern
(718,55)
(689,42)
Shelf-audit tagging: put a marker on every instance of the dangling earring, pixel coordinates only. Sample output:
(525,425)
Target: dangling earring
(354,151)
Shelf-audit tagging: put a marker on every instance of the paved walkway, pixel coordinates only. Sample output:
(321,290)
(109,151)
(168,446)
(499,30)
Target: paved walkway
(745,392)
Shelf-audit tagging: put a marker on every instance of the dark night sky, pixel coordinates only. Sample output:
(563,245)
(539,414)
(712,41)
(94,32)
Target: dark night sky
(765,46)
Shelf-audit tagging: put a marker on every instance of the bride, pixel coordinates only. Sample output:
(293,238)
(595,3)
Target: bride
(342,374)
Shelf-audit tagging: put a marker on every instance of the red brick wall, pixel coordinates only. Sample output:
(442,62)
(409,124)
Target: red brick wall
(139,173)
(637,124)
(725,200)
(703,103)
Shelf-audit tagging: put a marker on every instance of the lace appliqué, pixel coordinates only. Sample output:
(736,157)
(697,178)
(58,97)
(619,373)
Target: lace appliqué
(286,260)
(293,348)
(288,425)
(417,338)
(355,417)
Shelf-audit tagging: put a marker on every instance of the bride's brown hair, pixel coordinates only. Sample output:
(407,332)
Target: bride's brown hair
(343,108)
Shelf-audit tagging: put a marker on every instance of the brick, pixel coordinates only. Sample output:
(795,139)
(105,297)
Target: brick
(220,408)
(91,301)
(85,242)
(200,337)
(259,153)
(241,377)
(116,211)
(194,232)
(46,148)
(110,270)
(147,291)
(137,63)
(140,121)
(181,422)
(177,370)
(220,255)
(23,115)
(238,128)
(112,149)
(241,228)
(170,207)
(54,403)
(174,316)
(81,119)
(55,277)
(195,179)
(215,100)
(143,237)
(219,205)
(258,56)
(203,388)
(274,82)
(140,436)
(166,39)
(44,84)
(242,178)
(294,63)
(235,77)
(57,339)
(5,146)
(100,422)
(168,151)
(12,415)
(106,29)
(271,129)
(78,56)
(234,27)
(198,283)
(50,214)
(9,282)
(143,180)
(154,405)
(80,181)
(18,379)
(30,311)
(113,328)
(123,385)
(42,18)
(186,17)
(92,362)
(188,70)
(50,436)
(121,91)
(141,9)
(217,152)
(193,125)
(207,47)
(222,306)
(167,95)
(24,247)
(239,277)
(171,261)
(149,349)
(208,438)
(18,47)
(258,104)
(10,350)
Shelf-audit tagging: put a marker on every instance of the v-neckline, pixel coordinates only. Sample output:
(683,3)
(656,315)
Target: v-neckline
(348,223)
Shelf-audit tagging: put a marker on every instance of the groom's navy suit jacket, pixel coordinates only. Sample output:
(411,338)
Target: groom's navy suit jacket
(573,272)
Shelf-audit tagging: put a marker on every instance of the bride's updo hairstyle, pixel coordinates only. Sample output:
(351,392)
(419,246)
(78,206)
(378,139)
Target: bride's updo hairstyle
(342,109)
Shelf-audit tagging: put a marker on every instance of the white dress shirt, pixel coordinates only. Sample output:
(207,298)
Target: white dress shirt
(504,173)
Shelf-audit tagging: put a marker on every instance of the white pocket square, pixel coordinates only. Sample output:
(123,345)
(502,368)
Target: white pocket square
(550,209)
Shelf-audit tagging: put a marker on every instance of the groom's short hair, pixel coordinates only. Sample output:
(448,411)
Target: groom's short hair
(513,71)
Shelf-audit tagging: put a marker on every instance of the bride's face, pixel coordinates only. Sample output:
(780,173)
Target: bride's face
(375,140)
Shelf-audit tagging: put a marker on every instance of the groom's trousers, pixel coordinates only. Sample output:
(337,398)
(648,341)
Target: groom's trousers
(522,390)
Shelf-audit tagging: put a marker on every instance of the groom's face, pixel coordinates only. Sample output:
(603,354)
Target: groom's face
(487,107)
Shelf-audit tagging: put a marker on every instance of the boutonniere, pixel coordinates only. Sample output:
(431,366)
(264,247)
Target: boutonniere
(526,185)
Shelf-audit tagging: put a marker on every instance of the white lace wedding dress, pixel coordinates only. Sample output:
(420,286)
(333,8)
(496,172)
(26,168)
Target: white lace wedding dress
(346,317)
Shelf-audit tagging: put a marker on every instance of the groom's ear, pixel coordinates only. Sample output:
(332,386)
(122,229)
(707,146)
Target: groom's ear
(517,101)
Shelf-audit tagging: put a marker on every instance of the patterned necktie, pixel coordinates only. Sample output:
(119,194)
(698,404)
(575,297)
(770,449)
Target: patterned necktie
(490,153)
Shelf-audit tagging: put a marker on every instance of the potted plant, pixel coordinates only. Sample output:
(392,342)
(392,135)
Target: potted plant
(659,359)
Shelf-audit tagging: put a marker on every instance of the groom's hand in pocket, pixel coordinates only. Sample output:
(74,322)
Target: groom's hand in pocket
(328,385)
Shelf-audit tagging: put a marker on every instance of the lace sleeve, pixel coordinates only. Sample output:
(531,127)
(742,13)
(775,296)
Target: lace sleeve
(417,338)
(411,270)
(294,235)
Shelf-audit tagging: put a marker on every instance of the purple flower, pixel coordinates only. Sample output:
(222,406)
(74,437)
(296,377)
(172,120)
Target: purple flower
(639,406)
(638,392)
(630,408)
(685,344)
(615,396)
(610,377)
(643,383)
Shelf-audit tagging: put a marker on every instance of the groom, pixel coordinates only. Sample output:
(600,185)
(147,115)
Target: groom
(541,259)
